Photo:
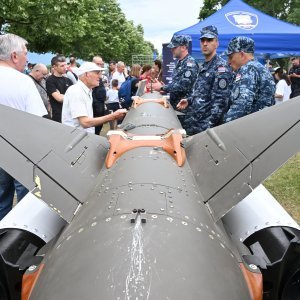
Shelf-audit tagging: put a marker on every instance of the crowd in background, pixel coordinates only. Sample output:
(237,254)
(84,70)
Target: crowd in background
(88,95)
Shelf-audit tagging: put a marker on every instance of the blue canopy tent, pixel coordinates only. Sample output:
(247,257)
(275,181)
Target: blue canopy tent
(273,38)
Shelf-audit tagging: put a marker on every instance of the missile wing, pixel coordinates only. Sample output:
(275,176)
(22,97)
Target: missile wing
(143,215)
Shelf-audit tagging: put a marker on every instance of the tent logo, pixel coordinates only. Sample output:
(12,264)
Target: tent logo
(242,19)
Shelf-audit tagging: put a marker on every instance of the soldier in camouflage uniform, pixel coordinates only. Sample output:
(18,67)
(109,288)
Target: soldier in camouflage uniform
(184,74)
(254,87)
(211,92)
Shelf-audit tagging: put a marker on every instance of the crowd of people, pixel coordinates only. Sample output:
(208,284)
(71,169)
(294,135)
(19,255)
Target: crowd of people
(89,95)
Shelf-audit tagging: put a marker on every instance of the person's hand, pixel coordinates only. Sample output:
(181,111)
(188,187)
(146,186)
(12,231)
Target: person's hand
(120,113)
(156,86)
(183,104)
(292,75)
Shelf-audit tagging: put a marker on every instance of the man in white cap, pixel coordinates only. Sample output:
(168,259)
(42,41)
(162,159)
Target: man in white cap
(77,106)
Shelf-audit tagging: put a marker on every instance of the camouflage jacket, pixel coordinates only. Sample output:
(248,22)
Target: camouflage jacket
(210,96)
(253,89)
(183,78)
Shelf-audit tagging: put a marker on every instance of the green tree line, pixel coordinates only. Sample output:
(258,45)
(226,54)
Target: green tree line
(83,28)
(288,10)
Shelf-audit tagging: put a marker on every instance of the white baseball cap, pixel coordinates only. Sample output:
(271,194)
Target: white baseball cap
(88,67)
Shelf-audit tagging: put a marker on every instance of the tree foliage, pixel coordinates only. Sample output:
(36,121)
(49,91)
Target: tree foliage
(288,10)
(83,28)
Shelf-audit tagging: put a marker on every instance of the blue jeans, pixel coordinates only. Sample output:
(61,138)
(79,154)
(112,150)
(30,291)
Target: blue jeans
(8,187)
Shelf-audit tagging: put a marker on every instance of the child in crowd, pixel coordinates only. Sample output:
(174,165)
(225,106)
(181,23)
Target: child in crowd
(112,100)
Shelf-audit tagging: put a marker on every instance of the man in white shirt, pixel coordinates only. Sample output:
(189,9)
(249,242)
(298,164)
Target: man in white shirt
(77,106)
(119,73)
(17,91)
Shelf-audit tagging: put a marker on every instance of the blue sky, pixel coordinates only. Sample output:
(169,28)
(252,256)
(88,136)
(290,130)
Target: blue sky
(161,18)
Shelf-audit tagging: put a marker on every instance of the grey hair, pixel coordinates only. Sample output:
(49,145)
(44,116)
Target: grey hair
(39,67)
(10,43)
(120,64)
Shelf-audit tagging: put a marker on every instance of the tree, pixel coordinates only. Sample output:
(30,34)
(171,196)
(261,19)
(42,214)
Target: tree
(288,10)
(81,27)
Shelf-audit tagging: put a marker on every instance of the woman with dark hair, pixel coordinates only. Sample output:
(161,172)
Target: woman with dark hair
(157,66)
(146,74)
(283,86)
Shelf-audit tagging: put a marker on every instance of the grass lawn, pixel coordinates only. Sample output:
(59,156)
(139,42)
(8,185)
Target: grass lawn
(284,185)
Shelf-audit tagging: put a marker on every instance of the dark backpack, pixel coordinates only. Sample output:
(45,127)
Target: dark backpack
(125,92)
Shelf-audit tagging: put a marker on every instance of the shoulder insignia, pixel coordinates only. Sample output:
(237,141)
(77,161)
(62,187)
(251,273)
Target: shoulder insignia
(221,69)
(238,77)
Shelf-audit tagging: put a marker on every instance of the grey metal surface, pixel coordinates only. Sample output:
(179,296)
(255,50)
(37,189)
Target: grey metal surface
(66,161)
(180,252)
(229,161)
(257,211)
(33,215)
(162,259)
(148,118)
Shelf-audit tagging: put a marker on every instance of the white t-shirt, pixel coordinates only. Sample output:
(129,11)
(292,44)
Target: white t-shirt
(78,102)
(112,96)
(119,76)
(282,88)
(18,91)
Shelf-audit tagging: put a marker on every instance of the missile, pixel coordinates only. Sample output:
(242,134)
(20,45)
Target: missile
(148,213)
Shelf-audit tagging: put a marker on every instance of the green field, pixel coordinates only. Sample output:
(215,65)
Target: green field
(284,185)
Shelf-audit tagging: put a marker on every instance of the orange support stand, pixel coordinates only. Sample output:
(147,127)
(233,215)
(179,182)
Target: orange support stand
(170,142)
(137,101)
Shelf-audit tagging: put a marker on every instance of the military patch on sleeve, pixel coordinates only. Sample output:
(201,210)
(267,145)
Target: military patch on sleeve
(221,69)
(222,83)
(189,63)
(187,74)
(236,92)
(238,77)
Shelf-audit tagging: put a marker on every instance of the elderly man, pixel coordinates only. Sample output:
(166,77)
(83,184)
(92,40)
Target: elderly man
(211,91)
(77,106)
(185,72)
(38,74)
(254,86)
(120,74)
(17,91)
